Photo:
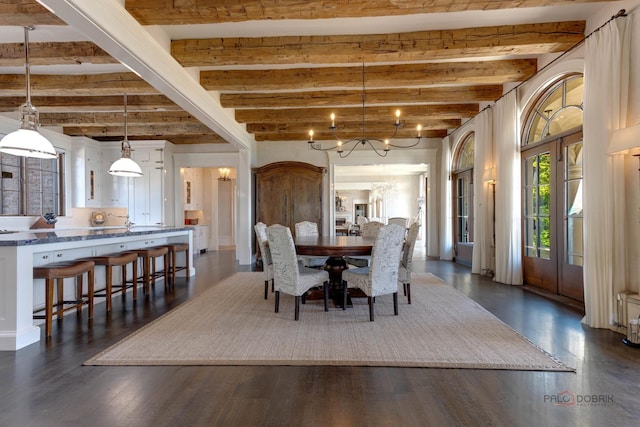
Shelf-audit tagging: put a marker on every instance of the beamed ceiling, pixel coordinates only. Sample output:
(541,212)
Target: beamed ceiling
(279,68)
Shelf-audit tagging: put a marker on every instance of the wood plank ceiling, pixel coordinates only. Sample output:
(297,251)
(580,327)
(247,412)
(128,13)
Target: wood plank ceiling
(281,86)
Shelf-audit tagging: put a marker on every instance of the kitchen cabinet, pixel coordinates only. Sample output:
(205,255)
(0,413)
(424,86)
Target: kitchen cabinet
(147,193)
(289,192)
(87,173)
(200,238)
(114,188)
(193,180)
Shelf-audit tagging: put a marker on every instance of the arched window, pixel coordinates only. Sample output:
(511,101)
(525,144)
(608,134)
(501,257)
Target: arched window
(557,111)
(463,200)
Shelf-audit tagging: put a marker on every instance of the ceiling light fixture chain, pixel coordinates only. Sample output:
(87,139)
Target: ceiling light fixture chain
(364,140)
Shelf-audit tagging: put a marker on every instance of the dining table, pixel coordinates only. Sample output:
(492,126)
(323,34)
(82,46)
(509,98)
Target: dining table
(335,248)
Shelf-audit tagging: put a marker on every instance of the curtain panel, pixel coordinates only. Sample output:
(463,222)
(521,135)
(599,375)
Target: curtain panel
(508,191)
(606,77)
(446,209)
(482,256)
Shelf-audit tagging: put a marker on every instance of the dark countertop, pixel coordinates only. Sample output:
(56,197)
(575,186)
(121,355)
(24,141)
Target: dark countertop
(38,237)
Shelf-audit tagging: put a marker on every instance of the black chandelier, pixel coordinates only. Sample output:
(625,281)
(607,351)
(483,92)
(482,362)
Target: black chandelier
(380,146)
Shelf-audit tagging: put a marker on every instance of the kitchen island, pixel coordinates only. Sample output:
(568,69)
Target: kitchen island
(21,251)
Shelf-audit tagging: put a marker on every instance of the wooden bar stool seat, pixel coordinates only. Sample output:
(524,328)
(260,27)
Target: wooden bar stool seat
(149,273)
(174,248)
(56,273)
(121,259)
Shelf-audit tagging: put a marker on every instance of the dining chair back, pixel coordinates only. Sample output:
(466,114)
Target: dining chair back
(398,220)
(267,265)
(309,229)
(370,229)
(381,277)
(288,276)
(404,271)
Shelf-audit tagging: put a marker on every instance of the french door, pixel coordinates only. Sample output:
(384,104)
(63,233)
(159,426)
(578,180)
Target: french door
(552,216)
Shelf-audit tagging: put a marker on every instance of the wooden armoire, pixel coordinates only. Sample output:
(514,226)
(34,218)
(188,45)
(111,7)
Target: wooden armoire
(289,192)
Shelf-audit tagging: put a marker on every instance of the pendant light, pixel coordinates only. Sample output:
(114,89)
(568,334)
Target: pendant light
(27,141)
(125,166)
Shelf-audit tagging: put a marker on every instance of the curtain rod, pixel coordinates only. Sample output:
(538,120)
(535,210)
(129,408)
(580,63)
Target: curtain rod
(621,13)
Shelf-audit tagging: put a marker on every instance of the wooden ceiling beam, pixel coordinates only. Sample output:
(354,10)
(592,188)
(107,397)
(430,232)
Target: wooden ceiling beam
(187,12)
(398,75)
(211,138)
(54,53)
(117,130)
(415,113)
(69,104)
(354,97)
(437,45)
(26,12)
(110,119)
(74,85)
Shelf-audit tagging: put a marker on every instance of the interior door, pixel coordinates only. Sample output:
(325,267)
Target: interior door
(552,216)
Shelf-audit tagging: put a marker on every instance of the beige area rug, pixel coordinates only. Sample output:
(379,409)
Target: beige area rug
(232,324)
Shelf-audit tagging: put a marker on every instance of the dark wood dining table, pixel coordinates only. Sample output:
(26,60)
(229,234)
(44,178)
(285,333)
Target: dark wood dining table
(335,248)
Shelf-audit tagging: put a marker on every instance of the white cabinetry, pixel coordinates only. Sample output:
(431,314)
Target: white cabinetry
(193,181)
(146,194)
(200,238)
(87,173)
(114,188)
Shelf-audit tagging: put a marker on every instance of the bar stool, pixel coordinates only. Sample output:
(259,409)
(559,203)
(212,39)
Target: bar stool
(148,270)
(57,272)
(121,259)
(174,248)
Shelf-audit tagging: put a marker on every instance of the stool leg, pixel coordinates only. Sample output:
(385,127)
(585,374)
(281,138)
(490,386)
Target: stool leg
(123,271)
(60,311)
(173,265)
(79,289)
(166,270)
(186,263)
(109,285)
(90,278)
(135,279)
(146,261)
(48,307)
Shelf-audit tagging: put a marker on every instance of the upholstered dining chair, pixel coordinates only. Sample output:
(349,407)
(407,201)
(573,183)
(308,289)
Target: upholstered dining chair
(308,228)
(267,265)
(288,276)
(381,277)
(368,230)
(404,271)
(398,220)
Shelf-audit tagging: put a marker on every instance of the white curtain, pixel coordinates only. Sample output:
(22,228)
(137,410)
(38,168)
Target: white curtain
(508,191)
(606,77)
(482,257)
(446,211)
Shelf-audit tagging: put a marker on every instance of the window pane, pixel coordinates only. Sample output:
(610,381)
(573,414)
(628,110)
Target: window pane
(544,234)
(574,241)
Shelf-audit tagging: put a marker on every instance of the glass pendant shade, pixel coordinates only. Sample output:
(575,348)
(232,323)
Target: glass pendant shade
(125,166)
(27,143)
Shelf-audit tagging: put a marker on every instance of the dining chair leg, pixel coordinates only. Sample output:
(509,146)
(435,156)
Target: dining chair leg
(326,296)
(404,289)
(370,300)
(266,289)
(297,316)
(395,303)
(344,295)
(408,293)
(277,301)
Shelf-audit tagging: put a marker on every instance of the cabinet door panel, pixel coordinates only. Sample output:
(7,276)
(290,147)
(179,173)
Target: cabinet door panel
(306,192)
(273,199)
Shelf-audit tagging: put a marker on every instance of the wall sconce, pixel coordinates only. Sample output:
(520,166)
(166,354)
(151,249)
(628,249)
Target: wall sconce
(225,174)
(489,175)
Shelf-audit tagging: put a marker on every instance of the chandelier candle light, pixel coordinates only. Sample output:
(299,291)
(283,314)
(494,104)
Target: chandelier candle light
(343,148)
(27,141)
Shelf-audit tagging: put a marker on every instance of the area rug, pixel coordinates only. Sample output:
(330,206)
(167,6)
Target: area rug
(232,324)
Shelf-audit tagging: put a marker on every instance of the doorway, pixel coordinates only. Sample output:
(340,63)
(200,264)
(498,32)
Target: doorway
(552,216)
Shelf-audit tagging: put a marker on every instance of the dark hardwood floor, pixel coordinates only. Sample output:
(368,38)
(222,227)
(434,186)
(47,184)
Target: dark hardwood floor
(45,384)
